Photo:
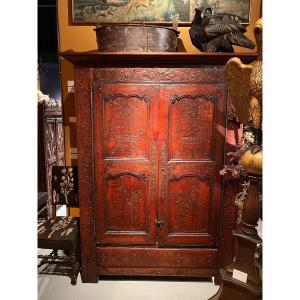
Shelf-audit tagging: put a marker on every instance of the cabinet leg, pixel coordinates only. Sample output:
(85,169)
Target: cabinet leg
(217,280)
(89,276)
(74,267)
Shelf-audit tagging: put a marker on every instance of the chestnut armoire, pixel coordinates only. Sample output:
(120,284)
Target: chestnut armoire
(151,134)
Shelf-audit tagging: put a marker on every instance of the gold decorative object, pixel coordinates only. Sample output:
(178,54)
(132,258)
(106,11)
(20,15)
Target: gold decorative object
(252,161)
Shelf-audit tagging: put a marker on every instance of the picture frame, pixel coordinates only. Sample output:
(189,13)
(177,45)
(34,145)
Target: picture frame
(157,12)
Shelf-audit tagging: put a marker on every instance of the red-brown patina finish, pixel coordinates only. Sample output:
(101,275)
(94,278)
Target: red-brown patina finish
(151,143)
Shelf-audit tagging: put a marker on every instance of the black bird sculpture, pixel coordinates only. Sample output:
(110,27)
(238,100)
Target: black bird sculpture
(212,32)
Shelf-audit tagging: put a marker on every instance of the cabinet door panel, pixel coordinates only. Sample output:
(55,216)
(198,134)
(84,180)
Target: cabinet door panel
(126,125)
(189,200)
(191,119)
(126,163)
(192,138)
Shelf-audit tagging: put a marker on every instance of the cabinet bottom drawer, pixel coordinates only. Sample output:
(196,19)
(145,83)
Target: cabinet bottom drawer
(130,259)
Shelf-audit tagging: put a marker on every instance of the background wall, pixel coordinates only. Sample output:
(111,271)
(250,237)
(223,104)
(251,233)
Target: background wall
(83,38)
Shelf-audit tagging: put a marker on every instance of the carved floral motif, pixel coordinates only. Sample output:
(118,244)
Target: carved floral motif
(51,143)
(177,171)
(192,126)
(159,75)
(60,139)
(114,170)
(189,206)
(107,97)
(153,183)
(126,204)
(126,125)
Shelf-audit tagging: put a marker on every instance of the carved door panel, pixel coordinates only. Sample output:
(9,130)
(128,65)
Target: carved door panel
(50,140)
(50,157)
(191,150)
(60,152)
(125,133)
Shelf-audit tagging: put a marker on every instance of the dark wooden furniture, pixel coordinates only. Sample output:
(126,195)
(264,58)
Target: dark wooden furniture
(42,205)
(151,142)
(247,239)
(61,233)
(50,146)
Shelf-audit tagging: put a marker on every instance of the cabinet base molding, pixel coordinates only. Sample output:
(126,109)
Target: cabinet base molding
(176,272)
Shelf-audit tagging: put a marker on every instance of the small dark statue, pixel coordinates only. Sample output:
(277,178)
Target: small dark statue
(211,32)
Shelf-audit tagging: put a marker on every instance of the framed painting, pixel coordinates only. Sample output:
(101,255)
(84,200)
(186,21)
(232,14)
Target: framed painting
(152,11)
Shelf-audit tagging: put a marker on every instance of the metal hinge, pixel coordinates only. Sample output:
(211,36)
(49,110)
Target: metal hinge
(159,223)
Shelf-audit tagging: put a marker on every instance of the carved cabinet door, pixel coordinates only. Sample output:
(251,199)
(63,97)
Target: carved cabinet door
(190,151)
(125,153)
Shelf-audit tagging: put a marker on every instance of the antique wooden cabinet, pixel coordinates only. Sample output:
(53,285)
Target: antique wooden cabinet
(151,142)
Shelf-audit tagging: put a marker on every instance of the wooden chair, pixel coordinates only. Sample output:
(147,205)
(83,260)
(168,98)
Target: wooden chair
(61,233)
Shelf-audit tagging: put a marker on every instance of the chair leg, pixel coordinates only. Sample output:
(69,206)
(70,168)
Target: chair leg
(43,261)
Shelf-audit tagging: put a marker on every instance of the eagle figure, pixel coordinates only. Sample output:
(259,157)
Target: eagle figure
(212,32)
(244,84)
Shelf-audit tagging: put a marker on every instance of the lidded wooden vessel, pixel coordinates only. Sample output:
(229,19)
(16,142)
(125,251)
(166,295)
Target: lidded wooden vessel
(136,37)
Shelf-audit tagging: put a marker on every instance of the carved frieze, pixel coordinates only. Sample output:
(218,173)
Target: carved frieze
(203,74)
